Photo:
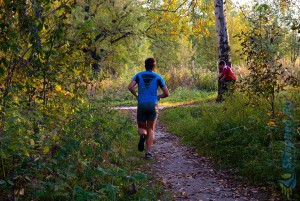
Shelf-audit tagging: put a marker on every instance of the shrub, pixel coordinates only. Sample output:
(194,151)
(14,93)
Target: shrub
(191,78)
(79,155)
(235,134)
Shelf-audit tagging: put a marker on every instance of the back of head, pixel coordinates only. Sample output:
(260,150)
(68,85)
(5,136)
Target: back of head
(150,63)
(221,63)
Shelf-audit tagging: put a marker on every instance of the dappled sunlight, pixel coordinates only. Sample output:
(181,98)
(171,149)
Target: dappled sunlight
(66,102)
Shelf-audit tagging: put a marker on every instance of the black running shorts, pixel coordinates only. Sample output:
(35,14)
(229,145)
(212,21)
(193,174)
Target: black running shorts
(147,111)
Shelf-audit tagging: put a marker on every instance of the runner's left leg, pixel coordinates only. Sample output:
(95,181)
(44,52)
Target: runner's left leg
(150,135)
(142,128)
(143,135)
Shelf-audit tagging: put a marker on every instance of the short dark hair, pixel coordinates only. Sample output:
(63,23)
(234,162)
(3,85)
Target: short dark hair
(222,63)
(149,63)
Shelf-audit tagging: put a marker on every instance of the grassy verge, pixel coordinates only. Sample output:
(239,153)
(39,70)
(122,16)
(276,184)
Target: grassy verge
(181,96)
(178,96)
(235,134)
(89,154)
(135,165)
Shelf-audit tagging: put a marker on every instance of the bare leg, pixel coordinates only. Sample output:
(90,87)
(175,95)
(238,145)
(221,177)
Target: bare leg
(143,134)
(150,135)
(142,128)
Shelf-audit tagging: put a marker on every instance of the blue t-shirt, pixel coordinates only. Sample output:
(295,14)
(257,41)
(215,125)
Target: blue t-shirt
(148,83)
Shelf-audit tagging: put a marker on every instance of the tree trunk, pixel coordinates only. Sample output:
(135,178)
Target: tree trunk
(223,41)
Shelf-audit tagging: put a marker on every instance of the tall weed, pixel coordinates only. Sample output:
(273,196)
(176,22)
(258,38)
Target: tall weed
(78,154)
(235,134)
(191,78)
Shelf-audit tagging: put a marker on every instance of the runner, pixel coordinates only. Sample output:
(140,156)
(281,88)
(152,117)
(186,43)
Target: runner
(147,111)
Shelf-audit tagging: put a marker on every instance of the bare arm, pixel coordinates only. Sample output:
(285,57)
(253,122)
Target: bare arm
(131,88)
(165,93)
(219,76)
(222,78)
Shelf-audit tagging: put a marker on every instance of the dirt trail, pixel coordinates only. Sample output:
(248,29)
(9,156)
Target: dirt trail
(193,177)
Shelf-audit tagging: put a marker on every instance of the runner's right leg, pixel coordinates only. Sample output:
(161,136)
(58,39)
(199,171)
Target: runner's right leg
(142,127)
(151,121)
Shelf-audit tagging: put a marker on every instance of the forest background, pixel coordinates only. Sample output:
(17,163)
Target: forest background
(64,62)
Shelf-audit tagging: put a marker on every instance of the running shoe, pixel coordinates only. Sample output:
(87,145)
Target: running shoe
(149,155)
(141,142)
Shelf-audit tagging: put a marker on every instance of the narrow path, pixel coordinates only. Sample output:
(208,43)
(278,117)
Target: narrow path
(192,177)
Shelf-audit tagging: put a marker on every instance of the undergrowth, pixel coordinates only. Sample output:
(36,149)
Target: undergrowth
(86,154)
(178,96)
(183,84)
(183,95)
(235,135)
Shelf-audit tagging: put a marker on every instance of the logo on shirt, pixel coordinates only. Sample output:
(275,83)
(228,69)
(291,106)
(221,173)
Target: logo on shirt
(147,78)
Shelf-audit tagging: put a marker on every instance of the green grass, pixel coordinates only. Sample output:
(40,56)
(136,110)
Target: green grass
(90,155)
(137,167)
(235,134)
(179,96)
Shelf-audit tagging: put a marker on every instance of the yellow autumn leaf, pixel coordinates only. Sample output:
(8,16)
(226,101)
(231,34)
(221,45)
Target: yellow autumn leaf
(26,153)
(271,123)
(32,143)
(46,150)
(42,61)
(57,87)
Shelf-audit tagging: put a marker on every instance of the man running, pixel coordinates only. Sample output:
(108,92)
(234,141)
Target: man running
(147,111)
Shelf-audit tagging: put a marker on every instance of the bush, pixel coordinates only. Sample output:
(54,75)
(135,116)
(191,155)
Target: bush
(234,134)
(183,84)
(80,155)
(191,78)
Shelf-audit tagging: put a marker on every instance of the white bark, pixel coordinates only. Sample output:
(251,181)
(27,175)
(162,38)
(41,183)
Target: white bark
(223,41)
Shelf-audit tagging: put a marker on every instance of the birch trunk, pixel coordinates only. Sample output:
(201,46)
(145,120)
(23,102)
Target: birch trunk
(223,41)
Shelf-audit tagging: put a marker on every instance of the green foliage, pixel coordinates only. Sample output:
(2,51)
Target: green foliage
(56,143)
(191,78)
(202,57)
(115,92)
(260,45)
(109,33)
(234,134)
(183,83)
(182,95)
(83,156)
